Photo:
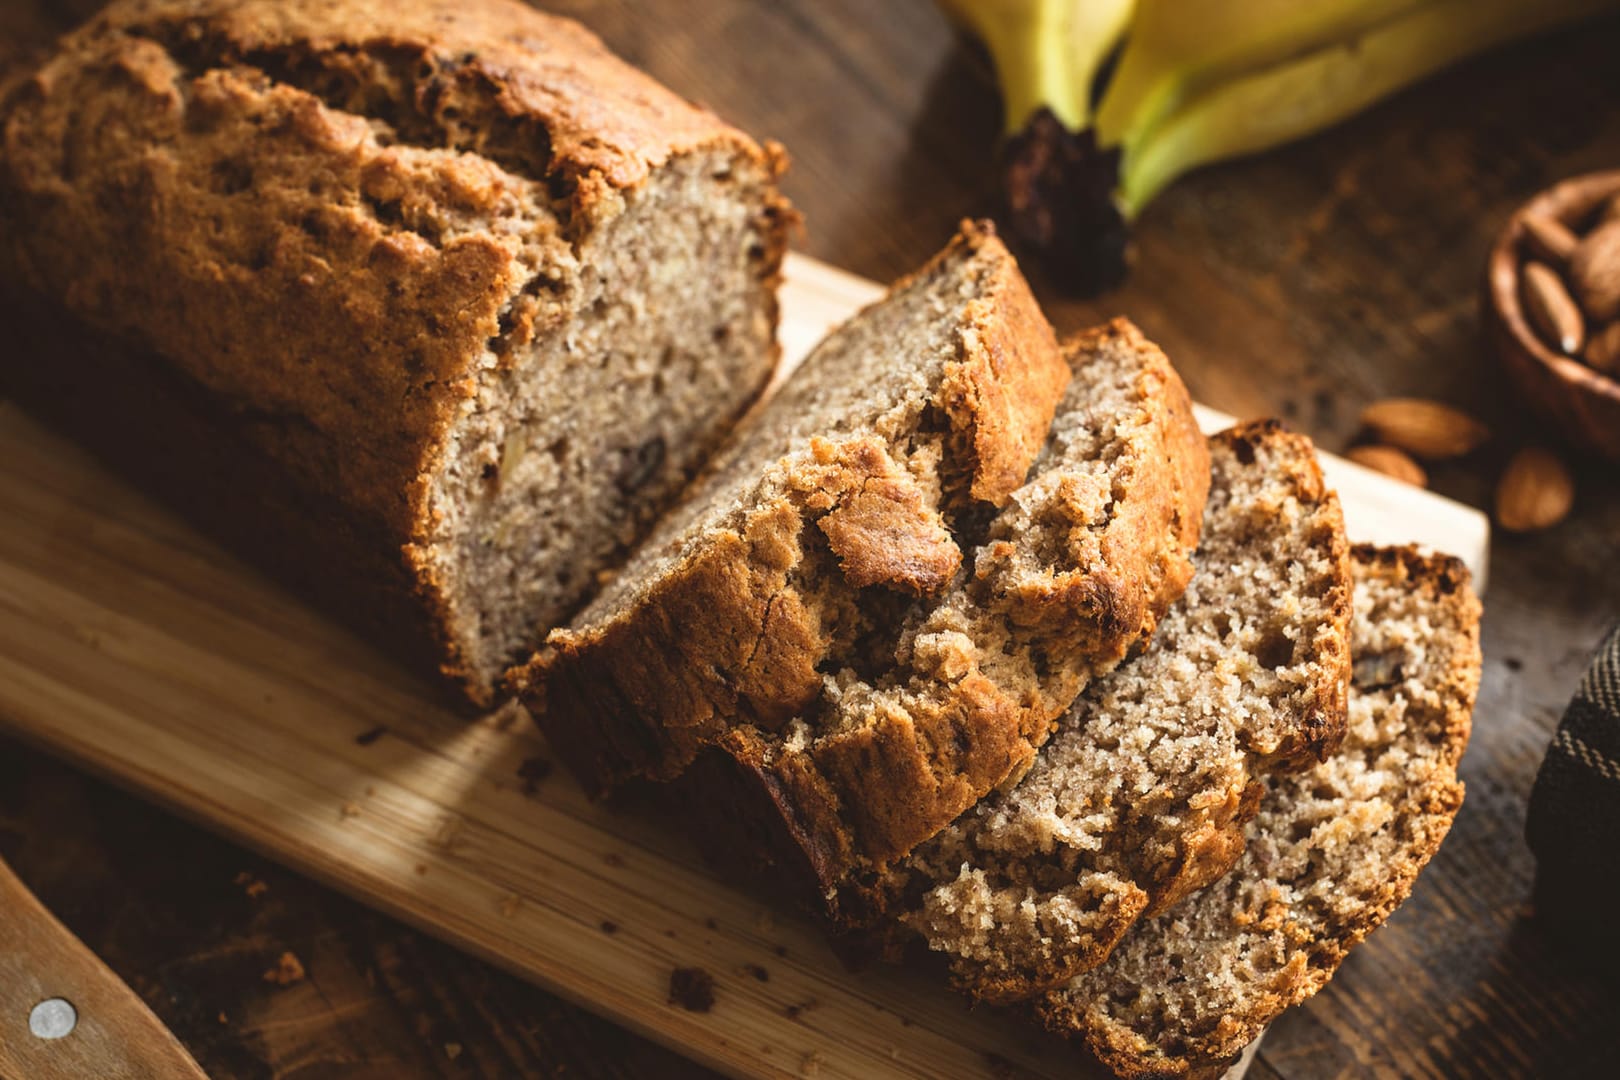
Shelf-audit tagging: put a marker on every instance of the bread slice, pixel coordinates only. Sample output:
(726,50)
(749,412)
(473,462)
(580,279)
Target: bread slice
(1142,795)
(839,629)
(1332,853)
(430,306)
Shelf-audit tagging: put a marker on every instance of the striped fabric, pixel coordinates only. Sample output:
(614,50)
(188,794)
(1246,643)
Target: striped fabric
(1574,823)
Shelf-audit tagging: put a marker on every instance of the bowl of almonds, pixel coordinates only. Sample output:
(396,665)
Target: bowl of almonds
(1553,306)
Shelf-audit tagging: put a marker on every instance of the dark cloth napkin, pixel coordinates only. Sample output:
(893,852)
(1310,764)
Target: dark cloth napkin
(1574,823)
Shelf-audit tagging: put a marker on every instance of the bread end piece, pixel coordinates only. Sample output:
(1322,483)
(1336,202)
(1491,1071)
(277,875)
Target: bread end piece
(1333,852)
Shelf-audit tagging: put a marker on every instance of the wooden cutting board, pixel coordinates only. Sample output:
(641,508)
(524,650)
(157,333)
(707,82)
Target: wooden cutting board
(133,647)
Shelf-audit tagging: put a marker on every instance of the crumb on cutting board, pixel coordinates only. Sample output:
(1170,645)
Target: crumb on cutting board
(692,989)
(252,886)
(288,970)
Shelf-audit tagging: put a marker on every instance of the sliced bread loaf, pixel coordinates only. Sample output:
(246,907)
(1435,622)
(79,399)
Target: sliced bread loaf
(1142,794)
(840,629)
(827,512)
(431,306)
(1332,853)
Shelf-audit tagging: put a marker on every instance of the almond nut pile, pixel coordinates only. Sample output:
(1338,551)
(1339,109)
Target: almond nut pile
(1407,430)
(1536,490)
(1570,281)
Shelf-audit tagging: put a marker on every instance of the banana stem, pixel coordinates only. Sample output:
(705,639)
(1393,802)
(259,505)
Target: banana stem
(1046,52)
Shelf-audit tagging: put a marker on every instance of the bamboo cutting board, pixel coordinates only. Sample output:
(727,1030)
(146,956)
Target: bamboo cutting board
(135,648)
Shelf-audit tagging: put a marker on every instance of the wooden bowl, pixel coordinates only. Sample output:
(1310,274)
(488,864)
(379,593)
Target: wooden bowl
(1581,404)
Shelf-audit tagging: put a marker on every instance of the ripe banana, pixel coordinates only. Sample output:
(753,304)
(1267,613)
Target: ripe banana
(1179,48)
(1046,52)
(1198,81)
(1318,88)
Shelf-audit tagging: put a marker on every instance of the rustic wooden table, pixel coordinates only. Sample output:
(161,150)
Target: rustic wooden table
(1305,284)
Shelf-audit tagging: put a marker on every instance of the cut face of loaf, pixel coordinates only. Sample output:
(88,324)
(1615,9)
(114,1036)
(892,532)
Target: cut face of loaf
(1332,853)
(839,641)
(1141,796)
(483,295)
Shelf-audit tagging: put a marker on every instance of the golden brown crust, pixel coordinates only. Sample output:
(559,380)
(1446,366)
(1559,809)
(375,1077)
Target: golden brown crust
(1001,393)
(601,123)
(138,134)
(875,518)
(901,780)
(880,789)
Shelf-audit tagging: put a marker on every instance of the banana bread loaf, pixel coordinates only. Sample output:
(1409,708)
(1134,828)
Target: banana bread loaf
(431,304)
(1332,853)
(1141,796)
(853,645)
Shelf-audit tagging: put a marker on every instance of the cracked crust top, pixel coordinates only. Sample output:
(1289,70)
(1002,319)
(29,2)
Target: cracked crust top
(600,121)
(106,135)
(422,178)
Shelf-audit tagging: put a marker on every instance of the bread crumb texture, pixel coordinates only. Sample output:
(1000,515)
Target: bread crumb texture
(1333,851)
(1141,796)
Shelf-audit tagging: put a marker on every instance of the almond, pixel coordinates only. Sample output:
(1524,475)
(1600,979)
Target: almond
(1552,310)
(1535,492)
(1594,271)
(1603,350)
(1424,429)
(1548,239)
(1391,462)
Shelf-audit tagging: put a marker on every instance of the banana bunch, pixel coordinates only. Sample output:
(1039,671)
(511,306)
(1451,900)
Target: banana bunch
(1194,82)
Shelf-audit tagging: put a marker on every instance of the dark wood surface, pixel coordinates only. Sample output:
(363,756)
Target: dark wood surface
(1305,283)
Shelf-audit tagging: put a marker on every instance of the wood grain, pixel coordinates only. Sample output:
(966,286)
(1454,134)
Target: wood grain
(1305,283)
(114,1036)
